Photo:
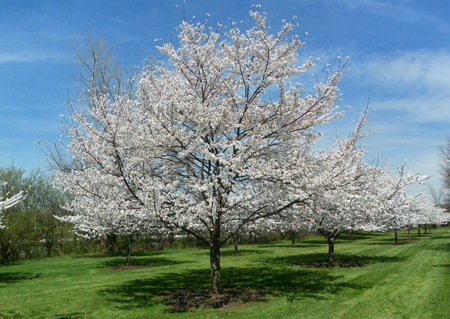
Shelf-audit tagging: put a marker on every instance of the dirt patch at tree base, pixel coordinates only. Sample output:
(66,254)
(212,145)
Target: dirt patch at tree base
(131,267)
(336,264)
(201,299)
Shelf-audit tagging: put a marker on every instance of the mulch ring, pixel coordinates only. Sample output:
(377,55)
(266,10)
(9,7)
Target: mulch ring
(335,264)
(131,267)
(201,299)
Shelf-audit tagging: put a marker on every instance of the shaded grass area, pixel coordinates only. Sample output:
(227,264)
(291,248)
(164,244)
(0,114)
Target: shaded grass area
(315,257)
(8,278)
(411,280)
(139,261)
(294,283)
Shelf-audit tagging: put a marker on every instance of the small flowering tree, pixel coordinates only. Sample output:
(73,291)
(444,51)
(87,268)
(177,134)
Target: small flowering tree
(343,202)
(413,211)
(404,215)
(6,203)
(397,209)
(204,147)
(98,223)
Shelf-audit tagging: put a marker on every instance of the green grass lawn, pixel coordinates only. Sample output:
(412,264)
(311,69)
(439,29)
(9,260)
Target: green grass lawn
(410,280)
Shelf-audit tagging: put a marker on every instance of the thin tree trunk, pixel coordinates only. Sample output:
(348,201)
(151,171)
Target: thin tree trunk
(409,233)
(331,249)
(418,228)
(129,249)
(111,241)
(396,237)
(235,242)
(215,267)
(293,238)
(215,259)
(425,227)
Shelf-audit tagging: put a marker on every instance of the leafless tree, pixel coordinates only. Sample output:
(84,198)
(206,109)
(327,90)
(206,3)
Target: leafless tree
(97,73)
(445,168)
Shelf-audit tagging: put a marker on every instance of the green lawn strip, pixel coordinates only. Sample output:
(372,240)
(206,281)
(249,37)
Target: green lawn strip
(402,289)
(409,280)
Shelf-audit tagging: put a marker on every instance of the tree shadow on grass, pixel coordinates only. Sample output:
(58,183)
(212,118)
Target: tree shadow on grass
(149,253)
(291,283)
(281,281)
(297,245)
(443,247)
(241,252)
(403,240)
(303,259)
(13,277)
(440,237)
(356,237)
(74,315)
(140,261)
(442,266)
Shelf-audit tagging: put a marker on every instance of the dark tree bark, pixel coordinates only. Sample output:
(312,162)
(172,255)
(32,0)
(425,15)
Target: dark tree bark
(331,237)
(235,242)
(293,238)
(331,249)
(215,267)
(418,229)
(396,237)
(111,243)
(130,241)
(409,233)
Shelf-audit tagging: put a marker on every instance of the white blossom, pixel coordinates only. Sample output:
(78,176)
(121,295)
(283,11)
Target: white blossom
(214,141)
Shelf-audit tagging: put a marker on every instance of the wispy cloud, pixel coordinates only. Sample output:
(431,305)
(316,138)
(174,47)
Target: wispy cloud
(420,69)
(397,10)
(412,82)
(27,56)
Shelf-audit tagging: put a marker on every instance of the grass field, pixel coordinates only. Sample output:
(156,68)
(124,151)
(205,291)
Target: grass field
(410,280)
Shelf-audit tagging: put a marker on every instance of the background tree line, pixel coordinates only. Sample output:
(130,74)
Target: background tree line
(31,230)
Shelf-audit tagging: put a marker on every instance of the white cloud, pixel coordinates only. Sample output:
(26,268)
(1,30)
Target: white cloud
(397,10)
(420,69)
(427,108)
(27,56)
(415,83)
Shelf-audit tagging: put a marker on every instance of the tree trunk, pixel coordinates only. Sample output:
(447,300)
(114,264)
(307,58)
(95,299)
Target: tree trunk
(215,258)
(129,249)
(425,227)
(331,249)
(111,242)
(215,267)
(293,238)
(409,233)
(396,237)
(235,242)
(418,228)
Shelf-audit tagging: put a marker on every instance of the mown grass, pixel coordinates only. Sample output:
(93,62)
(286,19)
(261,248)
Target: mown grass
(410,280)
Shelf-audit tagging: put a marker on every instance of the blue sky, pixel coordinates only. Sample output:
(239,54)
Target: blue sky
(399,58)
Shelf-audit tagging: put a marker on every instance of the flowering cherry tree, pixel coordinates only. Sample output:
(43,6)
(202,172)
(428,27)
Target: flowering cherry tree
(217,139)
(6,203)
(344,201)
(394,204)
(100,222)
(412,211)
